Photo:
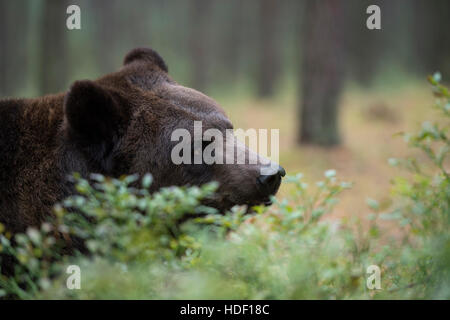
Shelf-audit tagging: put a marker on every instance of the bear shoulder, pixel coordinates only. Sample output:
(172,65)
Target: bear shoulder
(10,113)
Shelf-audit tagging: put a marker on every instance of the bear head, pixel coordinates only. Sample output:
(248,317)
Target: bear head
(124,123)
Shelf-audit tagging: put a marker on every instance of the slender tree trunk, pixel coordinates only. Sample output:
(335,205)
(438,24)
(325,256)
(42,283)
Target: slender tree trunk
(199,43)
(105,34)
(54,64)
(13,47)
(4,46)
(233,38)
(322,72)
(364,47)
(431,25)
(269,49)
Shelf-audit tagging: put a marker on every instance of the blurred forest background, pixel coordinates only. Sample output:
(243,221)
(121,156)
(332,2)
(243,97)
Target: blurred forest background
(336,90)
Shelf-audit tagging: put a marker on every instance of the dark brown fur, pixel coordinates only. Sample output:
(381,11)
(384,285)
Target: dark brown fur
(119,124)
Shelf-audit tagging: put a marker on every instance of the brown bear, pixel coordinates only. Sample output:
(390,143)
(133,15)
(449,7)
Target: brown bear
(117,125)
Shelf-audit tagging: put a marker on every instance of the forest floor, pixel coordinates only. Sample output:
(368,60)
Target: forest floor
(369,121)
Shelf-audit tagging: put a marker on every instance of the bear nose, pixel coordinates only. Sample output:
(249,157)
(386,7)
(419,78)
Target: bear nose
(270,183)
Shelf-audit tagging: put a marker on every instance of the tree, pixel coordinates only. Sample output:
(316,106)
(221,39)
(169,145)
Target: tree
(364,47)
(268,48)
(430,29)
(232,43)
(13,53)
(105,34)
(322,72)
(4,48)
(199,42)
(54,65)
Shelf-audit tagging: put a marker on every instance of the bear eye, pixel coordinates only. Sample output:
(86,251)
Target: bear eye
(199,152)
(206,143)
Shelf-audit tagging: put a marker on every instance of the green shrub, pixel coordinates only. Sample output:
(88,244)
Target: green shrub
(115,221)
(424,210)
(233,255)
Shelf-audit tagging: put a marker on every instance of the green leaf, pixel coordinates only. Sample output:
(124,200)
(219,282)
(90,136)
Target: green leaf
(373,204)
(330,173)
(437,77)
(147,180)
(393,162)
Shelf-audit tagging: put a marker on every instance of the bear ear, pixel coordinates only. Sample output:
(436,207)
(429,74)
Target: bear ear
(146,55)
(91,113)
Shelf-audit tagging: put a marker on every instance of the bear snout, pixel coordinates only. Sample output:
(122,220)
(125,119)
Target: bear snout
(270,183)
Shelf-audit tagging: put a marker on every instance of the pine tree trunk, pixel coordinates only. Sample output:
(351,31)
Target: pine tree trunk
(14,52)
(199,43)
(322,72)
(4,45)
(269,49)
(54,65)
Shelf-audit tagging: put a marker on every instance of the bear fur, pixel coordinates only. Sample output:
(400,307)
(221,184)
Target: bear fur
(116,125)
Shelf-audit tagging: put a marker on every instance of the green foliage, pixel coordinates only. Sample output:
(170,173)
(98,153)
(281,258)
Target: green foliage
(139,248)
(233,255)
(425,210)
(115,221)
